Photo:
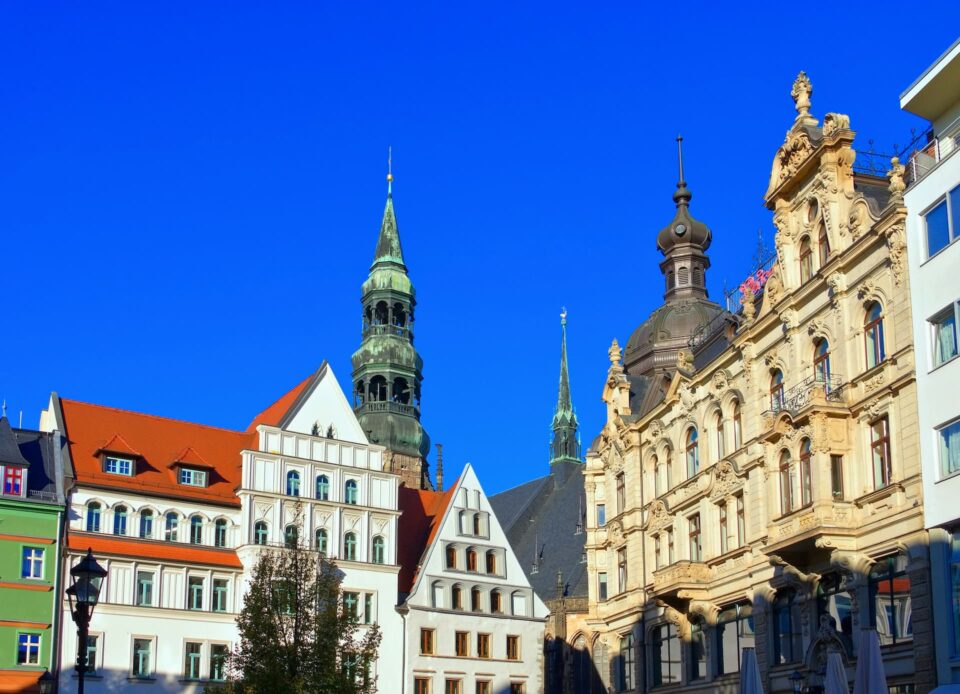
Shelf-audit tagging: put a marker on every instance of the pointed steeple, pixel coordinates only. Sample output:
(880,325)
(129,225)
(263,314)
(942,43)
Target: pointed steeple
(566,445)
(388,244)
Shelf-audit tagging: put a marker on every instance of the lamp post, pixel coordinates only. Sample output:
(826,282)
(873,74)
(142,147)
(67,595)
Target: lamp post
(796,679)
(84,592)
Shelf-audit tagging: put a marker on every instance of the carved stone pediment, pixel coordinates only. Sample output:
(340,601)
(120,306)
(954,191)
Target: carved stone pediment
(795,150)
(725,480)
(658,517)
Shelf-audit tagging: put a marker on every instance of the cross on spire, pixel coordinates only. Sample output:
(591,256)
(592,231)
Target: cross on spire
(390,170)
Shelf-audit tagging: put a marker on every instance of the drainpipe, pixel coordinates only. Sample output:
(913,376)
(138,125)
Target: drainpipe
(404,611)
(56,613)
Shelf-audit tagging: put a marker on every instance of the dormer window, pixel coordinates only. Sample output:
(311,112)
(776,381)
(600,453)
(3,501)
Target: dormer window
(193,477)
(117,466)
(13,480)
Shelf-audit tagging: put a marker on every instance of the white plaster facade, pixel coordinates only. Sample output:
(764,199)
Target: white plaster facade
(512,624)
(934,172)
(362,519)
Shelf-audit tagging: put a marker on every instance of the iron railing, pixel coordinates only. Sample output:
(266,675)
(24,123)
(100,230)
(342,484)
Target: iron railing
(388,406)
(800,395)
(387,329)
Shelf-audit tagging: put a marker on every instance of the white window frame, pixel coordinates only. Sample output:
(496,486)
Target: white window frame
(200,660)
(192,477)
(33,649)
(203,590)
(209,660)
(213,594)
(953,233)
(136,586)
(151,658)
(944,474)
(932,325)
(97,651)
(109,459)
(33,562)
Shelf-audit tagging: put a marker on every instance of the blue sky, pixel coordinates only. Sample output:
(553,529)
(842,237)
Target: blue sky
(191,192)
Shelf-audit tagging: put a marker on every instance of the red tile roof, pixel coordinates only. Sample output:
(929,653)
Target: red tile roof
(157,442)
(423,512)
(111,545)
(273,414)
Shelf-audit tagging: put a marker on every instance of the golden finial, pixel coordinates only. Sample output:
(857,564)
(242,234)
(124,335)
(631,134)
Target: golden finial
(563,315)
(390,170)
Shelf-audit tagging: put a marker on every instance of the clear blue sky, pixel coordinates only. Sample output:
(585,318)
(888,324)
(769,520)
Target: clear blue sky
(190,193)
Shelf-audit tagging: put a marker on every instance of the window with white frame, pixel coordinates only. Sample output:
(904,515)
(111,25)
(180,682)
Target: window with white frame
(32,563)
(218,661)
(221,595)
(13,480)
(142,665)
(943,222)
(93,649)
(943,334)
(144,595)
(948,439)
(192,477)
(28,649)
(117,466)
(192,660)
(195,593)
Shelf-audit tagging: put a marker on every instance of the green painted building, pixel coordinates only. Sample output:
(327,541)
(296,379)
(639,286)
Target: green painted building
(31,525)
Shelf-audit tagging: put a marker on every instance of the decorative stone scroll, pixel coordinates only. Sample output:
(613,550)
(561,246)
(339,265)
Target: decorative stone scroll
(725,481)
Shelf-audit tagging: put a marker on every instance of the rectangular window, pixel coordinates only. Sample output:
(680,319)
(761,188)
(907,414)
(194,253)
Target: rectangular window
(665,655)
(948,437)
(218,662)
(891,604)
(696,547)
(734,632)
(461,641)
(621,493)
(484,687)
(943,334)
(513,648)
(602,585)
(142,665)
(942,223)
(117,466)
(13,480)
(657,551)
(426,641)
(93,641)
(144,588)
(741,521)
(28,649)
(221,588)
(622,569)
(453,686)
(351,605)
(193,478)
(836,477)
(601,515)
(517,688)
(32,563)
(191,662)
(880,452)
(670,553)
(367,608)
(483,645)
(724,530)
(421,685)
(195,593)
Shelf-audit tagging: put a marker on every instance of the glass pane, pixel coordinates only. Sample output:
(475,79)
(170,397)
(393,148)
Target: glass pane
(950,448)
(938,233)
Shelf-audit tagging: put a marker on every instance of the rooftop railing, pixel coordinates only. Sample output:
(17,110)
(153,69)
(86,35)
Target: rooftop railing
(922,157)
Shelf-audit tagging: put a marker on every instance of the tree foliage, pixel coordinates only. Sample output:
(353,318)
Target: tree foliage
(296,634)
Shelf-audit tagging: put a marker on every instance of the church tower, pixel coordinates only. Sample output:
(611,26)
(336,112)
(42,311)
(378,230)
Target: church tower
(565,446)
(387,371)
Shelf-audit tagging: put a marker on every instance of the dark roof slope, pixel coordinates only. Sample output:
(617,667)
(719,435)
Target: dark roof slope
(41,453)
(553,504)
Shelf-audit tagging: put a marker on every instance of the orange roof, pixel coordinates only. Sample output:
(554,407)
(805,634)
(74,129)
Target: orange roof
(20,681)
(423,512)
(157,442)
(152,549)
(273,414)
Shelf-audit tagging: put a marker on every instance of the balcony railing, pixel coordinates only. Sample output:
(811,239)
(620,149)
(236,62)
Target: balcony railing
(388,406)
(801,394)
(387,329)
(926,152)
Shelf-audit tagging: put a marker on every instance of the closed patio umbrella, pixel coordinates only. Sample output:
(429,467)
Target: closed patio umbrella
(835,680)
(750,673)
(870,678)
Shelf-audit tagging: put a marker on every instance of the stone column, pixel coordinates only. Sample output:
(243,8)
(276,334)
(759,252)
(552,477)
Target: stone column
(924,654)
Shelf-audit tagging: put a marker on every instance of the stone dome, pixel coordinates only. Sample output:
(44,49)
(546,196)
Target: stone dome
(668,330)
(684,229)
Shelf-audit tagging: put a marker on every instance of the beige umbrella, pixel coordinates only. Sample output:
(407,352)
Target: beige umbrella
(835,679)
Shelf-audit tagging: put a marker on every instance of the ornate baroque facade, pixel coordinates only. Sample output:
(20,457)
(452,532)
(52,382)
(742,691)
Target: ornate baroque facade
(765,490)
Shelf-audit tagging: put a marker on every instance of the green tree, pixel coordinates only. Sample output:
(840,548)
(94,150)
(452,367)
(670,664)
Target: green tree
(297,633)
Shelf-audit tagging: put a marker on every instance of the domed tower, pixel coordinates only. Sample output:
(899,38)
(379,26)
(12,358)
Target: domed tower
(684,242)
(387,371)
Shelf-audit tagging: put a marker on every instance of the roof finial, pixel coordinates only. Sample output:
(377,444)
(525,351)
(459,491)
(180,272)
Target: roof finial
(680,157)
(4,408)
(390,170)
(563,315)
(681,195)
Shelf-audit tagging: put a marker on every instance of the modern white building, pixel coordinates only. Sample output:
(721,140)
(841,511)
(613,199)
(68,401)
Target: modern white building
(933,226)
(154,499)
(310,473)
(473,624)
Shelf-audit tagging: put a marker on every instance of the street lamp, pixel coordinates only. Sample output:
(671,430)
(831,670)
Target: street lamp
(84,591)
(796,679)
(46,683)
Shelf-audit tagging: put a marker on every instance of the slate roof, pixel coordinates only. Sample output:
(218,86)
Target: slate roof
(553,502)
(42,454)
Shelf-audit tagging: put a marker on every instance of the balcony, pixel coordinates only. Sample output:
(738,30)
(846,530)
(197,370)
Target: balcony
(803,531)
(680,576)
(928,150)
(388,406)
(809,392)
(387,329)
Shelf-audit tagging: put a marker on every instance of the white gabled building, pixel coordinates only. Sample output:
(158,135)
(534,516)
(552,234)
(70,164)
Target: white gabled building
(472,622)
(310,472)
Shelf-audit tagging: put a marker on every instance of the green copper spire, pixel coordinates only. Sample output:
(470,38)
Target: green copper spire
(388,245)
(565,446)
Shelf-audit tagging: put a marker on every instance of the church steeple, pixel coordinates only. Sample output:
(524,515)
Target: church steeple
(387,371)
(565,445)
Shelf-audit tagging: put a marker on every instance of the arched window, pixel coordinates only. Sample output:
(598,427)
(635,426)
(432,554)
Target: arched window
(93,517)
(260,533)
(683,275)
(823,244)
(776,390)
(496,602)
(477,525)
(451,557)
(170,527)
(787,491)
(437,593)
(381,315)
(475,599)
(786,628)
(120,520)
(737,426)
(697,276)
(659,479)
(290,536)
(378,389)
(379,550)
(671,280)
(821,361)
(196,530)
(462,522)
(350,492)
(491,562)
(323,487)
(293,483)
(457,597)
(806,488)
(220,533)
(721,443)
(401,391)
(806,260)
(734,632)
(146,524)
(693,452)
(873,335)
(471,560)
(626,664)
(350,547)
(321,540)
